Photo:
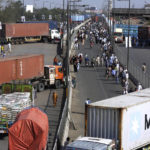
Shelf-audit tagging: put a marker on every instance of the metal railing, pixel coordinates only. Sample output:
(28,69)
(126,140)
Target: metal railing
(135,71)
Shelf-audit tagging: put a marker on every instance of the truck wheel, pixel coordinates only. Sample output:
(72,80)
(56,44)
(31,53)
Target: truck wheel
(53,42)
(12,41)
(45,40)
(41,87)
(57,84)
(22,41)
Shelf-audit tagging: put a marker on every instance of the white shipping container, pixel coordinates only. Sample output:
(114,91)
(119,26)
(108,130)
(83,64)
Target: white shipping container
(124,118)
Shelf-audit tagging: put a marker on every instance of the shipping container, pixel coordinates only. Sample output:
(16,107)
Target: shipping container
(30,131)
(144,32)
(77,18)
(30,66)
(8,70)
(133,30)
(26,30)
(21,68)
(124,118)
(52,24)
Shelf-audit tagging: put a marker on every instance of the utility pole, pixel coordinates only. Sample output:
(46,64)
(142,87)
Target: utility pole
(68,45)
(113,14)
(128,36)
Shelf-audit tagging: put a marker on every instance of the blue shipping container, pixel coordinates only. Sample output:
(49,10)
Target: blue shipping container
(133,29)
(77,18)
(52,24)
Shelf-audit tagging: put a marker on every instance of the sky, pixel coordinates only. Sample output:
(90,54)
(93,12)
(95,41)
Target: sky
(96,3)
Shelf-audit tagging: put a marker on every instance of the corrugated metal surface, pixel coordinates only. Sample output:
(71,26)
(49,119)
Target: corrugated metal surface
(30,66)
(103,123)
(7,70)
(27,29)
(124,118)
(21,67)
(52,24)
(77,18)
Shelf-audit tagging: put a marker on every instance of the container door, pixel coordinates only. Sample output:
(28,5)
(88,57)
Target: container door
(52,76)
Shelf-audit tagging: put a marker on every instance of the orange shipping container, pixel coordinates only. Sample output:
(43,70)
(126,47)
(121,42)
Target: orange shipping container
(30,131)
(21,67)
(7,70)
(29,66)
(26,29)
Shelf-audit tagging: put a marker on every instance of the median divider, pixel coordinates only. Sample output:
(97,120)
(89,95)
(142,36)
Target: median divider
(63,128)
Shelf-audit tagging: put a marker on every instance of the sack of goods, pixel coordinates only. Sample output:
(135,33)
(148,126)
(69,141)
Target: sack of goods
(11,105)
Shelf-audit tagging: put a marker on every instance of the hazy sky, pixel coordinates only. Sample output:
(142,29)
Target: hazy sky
(98,3)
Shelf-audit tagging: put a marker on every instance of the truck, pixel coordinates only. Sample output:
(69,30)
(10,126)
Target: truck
(30,69)
(30,130)
(133,30)
(55,35)
(118,35)
(144,35)
(91,143)
(18,33)
(125,119)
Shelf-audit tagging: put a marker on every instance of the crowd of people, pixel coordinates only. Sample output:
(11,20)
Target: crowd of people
(99,34)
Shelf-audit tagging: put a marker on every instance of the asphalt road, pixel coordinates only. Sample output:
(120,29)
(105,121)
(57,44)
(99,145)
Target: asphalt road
(138,55)
(44,99)
(92,84)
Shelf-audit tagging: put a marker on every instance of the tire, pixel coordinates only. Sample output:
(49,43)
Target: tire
(45,40)
(57,84)
(13,42)
(22,41)
(52,41)
(41,87)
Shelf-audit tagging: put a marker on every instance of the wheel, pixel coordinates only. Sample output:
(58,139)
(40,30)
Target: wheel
(12,41)
(45,40)
(57,84)
(22,41)
(53,42)
(41,87)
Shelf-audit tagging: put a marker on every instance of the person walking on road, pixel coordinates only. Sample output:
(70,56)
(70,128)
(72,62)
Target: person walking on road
(139,87)
(98,60)
(144,67)
(9,47)
(2,50)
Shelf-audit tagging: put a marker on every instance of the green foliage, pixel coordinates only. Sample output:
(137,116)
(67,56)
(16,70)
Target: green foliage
(14,10)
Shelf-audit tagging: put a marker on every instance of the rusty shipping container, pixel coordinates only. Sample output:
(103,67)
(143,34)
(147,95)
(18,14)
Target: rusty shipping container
(7,70)
(124,118)
(21,67)
(26,29)
(29,66)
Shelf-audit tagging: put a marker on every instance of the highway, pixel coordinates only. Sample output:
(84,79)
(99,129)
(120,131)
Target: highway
(92,84)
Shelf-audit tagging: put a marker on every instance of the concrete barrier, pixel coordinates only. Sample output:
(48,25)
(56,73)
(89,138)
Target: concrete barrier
(69,99)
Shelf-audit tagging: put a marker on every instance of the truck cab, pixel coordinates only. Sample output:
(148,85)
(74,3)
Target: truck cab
(118,35)
(54,74)
(91,143)
(55,35)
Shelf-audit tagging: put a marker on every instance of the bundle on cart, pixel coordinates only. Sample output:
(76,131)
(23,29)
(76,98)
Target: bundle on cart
(10,105)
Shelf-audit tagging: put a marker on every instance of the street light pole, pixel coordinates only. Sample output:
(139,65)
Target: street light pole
(68,45)
(113,24)
(128,36)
